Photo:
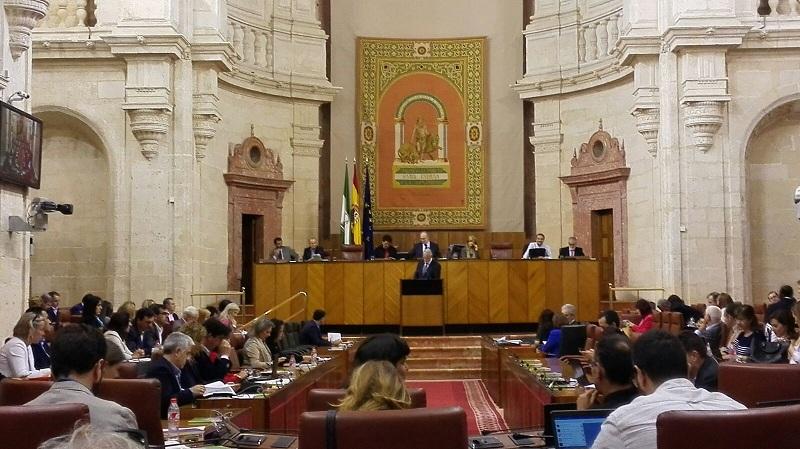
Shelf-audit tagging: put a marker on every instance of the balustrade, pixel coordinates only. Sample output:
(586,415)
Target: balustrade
(598,38)
(252,44)
(65,14)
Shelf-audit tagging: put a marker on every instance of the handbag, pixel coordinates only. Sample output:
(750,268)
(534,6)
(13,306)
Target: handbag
(765,351)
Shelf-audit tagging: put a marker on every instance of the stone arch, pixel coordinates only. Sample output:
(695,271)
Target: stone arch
(74,256)
(770,169)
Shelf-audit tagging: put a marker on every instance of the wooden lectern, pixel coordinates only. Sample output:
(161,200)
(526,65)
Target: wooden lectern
(421,302)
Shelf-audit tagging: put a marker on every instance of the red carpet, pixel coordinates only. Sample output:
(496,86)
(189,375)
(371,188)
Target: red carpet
(471,395)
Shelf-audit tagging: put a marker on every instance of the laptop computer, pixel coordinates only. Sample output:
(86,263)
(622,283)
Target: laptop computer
(549,435)
(535,253)
(577,429)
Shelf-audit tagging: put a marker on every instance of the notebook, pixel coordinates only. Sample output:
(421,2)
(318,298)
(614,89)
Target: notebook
(577,429)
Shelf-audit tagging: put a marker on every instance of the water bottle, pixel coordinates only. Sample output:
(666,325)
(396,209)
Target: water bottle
(313,357)
(174,419)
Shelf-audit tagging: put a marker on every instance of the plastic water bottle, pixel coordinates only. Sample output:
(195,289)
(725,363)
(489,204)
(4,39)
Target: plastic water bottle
(174,419)
(313,357)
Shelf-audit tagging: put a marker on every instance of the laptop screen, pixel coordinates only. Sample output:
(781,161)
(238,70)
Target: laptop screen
(577,429)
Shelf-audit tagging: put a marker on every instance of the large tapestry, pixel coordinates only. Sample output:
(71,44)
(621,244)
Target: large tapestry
(421,109)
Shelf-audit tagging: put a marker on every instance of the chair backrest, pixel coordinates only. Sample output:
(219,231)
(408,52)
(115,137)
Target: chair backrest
(766,427)
(751,383)
(502,250)
(128,370)
(675,323)
(49,421)
(320,399)
(442,428)
(352,252)
(658,320)
(143,397)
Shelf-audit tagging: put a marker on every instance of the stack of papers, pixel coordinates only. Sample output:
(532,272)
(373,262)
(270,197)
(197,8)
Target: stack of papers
(218,388)
(507,341)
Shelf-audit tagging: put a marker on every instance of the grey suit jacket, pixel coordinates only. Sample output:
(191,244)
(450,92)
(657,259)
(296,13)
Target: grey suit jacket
(104,414)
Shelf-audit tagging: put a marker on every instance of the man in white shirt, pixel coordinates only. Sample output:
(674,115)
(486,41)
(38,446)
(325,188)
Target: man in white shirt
(661,369)
(539,243)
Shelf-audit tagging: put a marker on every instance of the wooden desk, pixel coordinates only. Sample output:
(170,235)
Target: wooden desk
(279,409)
(475,291)
(520,393)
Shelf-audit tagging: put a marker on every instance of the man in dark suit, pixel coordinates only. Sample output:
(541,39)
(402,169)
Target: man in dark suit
(424,243)
(703,370)
(214,359)
(142,336)
(786,301)
(428,267)
(167,370)
(50,303)
(311,333)
(571,250)
(314,248)
(385,250)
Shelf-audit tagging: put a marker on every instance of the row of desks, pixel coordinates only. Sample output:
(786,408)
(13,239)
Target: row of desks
(475,291)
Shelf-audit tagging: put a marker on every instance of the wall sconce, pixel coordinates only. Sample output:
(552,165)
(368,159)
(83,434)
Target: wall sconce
(763,8)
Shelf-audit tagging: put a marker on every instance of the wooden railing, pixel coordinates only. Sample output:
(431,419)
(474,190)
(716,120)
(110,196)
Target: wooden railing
(612,292)
(217,295)
(283,303)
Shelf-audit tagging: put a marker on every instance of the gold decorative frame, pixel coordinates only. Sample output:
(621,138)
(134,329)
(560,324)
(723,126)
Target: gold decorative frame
(462,63)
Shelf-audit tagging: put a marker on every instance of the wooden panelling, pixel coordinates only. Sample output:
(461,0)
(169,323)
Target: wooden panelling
(422,310)
(498,292)
(373,293)
(479,290)
(456,289)
(475,291)
(354,293)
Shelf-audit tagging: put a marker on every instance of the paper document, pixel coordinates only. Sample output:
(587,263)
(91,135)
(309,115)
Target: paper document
(507,341)
(218,388)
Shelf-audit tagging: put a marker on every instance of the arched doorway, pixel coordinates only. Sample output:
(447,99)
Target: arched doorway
(71,257)
(773,172)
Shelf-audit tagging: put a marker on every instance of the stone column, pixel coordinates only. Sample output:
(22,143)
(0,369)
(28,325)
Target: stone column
(306,146)
(546,141)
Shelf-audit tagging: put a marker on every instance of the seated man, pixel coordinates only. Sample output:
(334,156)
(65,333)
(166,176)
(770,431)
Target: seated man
(423,244)
(661,371)
(389,347)
(311,333)
(538,244)
(703,369)
(610,322)
(142,335)
(167,369)
(314,249)
(282,253)
(711,330)
(214,359)
(386,250)
(570,312)
(77,358)
(571,250)
(612,375)
(428,267)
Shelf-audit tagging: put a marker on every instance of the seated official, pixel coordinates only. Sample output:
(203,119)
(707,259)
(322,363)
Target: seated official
(90,436)
(214,359)
(646,311)
(470,251)
(142,336)
(228,315)
(41,350)
(711,330)
(612,375)
(190,315)
(387,347)
(92,308)
(311,333)
(538,244)
(16,356)
(167,369)
(256,353)
(78,353)
(314,249)
(424,243)
(610,322)
(375,385)
(161,325)
(750,333)
(729,314)
(283,253)
(690,314)
(428,267)
(385,250)
(703,369)
(571,250)
(783,327)
(544,324)
(118,326)
(50,303)
(553,344)
(661,371)
(786,301)
(570,312)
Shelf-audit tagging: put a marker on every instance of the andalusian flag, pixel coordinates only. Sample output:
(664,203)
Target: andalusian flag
(355,208)
(345,220)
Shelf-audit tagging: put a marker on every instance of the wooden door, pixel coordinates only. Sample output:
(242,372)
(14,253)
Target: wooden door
(603,247)
(252,250)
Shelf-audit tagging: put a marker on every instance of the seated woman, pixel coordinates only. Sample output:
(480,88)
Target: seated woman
(646,311)
(16,356)
(167,369)
(783,326)
(471,250)
(731,329)
(228,315)
(750,331)
(275,346)
(375,385)
(256,353)
(553,344)
(118,327)
(794,346)
(544,325)
(92,308)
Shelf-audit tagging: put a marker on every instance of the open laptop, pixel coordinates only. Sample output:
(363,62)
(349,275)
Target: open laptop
(577,429)
(536,253)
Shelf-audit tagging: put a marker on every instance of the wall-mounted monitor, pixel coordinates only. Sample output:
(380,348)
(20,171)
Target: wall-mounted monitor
(20,147)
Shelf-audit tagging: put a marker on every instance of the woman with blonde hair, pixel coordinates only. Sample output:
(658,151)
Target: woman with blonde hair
(228,315)
(128,307)
(16,356)
(375,385)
